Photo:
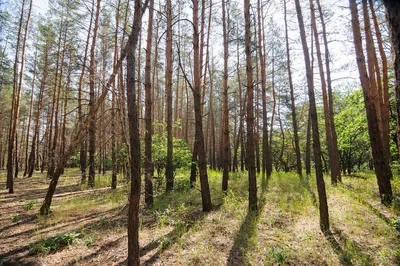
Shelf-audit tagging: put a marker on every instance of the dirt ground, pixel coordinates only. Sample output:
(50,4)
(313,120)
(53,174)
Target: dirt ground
(284,232)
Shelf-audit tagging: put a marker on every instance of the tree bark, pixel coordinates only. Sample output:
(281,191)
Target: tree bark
(148,163)
(250,112)
(169,171)
(382,167)
(323,205)
(292,100)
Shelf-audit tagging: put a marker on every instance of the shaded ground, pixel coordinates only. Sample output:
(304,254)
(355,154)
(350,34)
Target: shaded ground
(284,231)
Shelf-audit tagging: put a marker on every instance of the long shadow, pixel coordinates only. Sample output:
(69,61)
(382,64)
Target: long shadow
(77,221)
(343,255)
(99,225)
(306,184)
(243,238)
(367,204)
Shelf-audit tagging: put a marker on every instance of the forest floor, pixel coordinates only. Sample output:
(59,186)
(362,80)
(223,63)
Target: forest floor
(88,226)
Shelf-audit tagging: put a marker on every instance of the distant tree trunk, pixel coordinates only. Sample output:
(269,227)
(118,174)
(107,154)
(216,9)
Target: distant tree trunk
(332,152)
(382,167)
(169,171)
(393,16)
(12,162)
(56,99)
(250,160)
(212,158)
(292,100)
(265,150)
(225,120)
(385,105)
(32,155)
(323,205)
(30,115)
(336,165)
(83,146)
(199,137)
(148,163)
(113,106)
(308,146)
(92,125)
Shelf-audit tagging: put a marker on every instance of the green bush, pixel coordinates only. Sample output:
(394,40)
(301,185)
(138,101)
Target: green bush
(53,244)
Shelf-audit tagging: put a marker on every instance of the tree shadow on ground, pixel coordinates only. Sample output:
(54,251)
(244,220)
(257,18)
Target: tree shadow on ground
(164,242)
(344,256)
(244,238)
(17,255)
(306,184)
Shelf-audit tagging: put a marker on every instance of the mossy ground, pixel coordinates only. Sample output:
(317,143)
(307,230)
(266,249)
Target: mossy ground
(284,231)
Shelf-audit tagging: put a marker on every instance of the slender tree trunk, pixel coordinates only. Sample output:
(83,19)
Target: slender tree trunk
(323,205)
(250,112)
(225,120)
(199,136)
(308,145)
(330,97)
(148,163)
(30,115)
(332,153)
(92,126)
(393,16)
(169,171)
(293,105)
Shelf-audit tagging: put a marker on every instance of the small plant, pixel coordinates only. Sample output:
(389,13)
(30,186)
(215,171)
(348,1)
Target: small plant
(278,253)
(53,244)
(88,241)
(15,219)
(396,224)
(29,206)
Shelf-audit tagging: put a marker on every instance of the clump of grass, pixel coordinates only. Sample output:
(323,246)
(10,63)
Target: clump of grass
(29,205)
(15,219)
(278,253)
(53,244)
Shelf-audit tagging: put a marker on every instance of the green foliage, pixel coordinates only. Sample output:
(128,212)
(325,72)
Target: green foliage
(182,156)
(15,219)
(352,131)
(278,253)
(30,204)
(53,244)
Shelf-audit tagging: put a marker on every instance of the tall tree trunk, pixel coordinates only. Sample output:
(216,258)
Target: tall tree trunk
(332,153)
(250,112)
(382,167)
(293,105)
(148,163)
(323,204)
(199,136)
(266,148)
(225,120)
(83,145)
(335,148)
(393,16)
(30,115)
(92,126)
(134,140)
(169,171)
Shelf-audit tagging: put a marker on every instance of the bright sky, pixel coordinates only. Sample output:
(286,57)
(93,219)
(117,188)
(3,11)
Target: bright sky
(40,6)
